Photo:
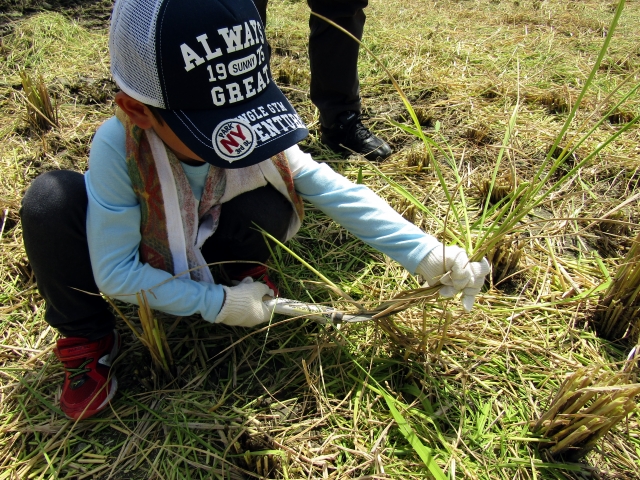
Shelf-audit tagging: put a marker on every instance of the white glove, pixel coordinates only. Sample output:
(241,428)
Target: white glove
(450,266)
(243,306)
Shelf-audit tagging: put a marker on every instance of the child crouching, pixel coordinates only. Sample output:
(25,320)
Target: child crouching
(203,149)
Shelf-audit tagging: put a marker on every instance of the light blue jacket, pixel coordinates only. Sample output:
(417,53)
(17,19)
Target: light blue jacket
(113,225)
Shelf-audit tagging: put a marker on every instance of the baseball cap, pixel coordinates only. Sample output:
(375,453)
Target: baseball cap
(205,65)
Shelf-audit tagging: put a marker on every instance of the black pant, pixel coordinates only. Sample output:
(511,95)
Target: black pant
(333,55)
(54,212)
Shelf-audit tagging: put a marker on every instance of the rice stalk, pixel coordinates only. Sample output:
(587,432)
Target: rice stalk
(505,259)
(417,156)
(618,313)
(588,404)
(396,304)
(505,218)
(41,114)
(492,193)
(152,336)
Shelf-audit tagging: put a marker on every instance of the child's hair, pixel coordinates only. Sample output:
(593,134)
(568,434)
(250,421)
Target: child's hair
(155,111)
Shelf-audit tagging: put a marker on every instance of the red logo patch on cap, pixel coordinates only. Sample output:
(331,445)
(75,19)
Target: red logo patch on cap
(234,139)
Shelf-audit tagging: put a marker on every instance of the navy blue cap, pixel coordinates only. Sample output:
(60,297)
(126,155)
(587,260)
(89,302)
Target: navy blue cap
(212,81)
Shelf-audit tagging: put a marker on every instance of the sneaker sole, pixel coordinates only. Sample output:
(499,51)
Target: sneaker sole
(338,148)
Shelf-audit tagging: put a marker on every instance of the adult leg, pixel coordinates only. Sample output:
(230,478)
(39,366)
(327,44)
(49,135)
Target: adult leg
(238,237)
(261,5)
(333,56)
(53,214)
(335,87)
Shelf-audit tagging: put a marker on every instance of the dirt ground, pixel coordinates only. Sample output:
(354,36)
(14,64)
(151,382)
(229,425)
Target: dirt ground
(89,13)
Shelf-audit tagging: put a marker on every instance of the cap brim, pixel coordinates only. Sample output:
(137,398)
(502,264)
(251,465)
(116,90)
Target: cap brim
(250,133)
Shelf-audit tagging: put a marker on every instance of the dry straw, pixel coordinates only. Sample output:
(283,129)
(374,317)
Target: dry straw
(41,114)
(152,336)
(290,392)
(589,403)
(618,314)
(505,259)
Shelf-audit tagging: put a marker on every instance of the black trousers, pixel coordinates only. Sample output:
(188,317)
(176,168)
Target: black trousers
(333,56)
(54,213)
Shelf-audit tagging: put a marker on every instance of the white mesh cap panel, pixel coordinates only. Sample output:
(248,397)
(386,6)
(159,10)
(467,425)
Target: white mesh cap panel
(132,46)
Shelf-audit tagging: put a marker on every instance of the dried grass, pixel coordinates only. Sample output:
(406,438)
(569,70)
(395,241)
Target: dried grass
(151,334)
(618,315)
(589,403)
(41,114)
(299,400)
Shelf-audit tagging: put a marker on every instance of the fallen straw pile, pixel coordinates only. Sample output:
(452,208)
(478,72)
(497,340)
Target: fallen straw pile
(589,403)
(618,314)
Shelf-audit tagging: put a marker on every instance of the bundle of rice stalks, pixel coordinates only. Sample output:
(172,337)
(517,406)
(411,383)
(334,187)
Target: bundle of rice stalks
(417,156)
(425,116)
(613,234)
(590,402)
(404,300)
(152,335)
(478,134)
(289,72)
(504,259)
(41,114)
(620,116)
(406,336)
(407,210)
(491,193)
(618,313)
(555,101)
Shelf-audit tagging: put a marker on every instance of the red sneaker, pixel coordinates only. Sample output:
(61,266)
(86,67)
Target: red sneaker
(88,386)
(259,272)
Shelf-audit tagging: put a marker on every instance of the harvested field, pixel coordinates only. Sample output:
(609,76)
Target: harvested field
(520,144)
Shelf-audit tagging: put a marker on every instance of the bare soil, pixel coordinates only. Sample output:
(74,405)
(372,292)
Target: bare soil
(89,13)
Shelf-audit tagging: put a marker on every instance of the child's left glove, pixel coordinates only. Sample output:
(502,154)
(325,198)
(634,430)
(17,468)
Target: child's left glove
(450,266)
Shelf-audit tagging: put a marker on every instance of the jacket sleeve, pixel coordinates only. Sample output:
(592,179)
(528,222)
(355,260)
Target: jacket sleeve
(360,211)
(113,233)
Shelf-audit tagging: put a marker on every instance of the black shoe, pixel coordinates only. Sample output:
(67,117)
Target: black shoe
(349,134)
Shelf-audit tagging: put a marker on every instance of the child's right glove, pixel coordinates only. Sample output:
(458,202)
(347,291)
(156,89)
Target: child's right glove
(450,266)
(243,305)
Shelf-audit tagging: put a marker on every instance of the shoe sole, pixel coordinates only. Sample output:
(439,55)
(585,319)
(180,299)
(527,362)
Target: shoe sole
(338,148)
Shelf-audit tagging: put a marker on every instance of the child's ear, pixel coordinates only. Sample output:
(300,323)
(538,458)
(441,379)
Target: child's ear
(137,112)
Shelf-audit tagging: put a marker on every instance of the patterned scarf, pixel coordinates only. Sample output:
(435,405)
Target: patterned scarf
(172,229)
